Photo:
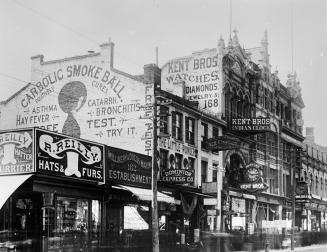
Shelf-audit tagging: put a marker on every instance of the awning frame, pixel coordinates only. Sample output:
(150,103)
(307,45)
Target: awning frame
(146,194)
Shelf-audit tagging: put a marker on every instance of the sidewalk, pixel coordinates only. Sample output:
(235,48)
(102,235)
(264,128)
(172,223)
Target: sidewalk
(305,248)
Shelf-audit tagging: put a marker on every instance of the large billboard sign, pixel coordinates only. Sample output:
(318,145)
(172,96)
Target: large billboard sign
(128,168)
(16,152)
(83,97)
(65,156)
(200,76)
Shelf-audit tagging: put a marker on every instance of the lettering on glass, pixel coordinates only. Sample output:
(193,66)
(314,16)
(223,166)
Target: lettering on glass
(16,154)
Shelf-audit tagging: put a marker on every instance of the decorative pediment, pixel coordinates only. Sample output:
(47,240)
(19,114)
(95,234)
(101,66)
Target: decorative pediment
(299,101)
(293,86)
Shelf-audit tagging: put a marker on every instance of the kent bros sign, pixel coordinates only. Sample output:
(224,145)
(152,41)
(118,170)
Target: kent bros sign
(258,124)
(253,178)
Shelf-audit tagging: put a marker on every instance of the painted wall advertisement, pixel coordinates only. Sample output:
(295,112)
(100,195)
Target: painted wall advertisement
(16,152)
(129,168)
(60,155)
(201,75)
(84,99)
(180,155)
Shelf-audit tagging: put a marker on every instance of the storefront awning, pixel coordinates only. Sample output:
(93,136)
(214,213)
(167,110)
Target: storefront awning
(146,194)
(9,184)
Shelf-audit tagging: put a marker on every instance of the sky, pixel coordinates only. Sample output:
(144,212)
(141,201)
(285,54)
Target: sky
(62,28)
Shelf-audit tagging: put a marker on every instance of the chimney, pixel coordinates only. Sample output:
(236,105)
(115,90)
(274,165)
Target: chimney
(107,52)
(221,45)
(309,131)
(152,74)
(36,62)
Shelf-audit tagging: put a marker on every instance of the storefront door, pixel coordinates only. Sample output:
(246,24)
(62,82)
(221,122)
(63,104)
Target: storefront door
(20,222)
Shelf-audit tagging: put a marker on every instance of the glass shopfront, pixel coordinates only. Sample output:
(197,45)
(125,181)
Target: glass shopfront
(73,224)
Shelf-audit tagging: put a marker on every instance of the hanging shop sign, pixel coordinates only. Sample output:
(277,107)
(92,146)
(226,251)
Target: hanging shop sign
(16,152)
(321,207)
(211,212)
(179,170)
(222,143)
(238,205)
(129,168)
(61,155)
(252,179)
(257,124)
(302,188)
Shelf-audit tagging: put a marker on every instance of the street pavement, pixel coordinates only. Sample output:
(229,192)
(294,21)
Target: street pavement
(216,242)
(312,248)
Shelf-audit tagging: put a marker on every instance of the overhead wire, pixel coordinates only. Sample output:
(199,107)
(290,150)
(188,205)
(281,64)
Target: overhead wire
(80,34)
(85,37)
(134,118)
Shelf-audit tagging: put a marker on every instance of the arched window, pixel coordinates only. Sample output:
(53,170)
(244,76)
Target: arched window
(305,176)
(311,183)
(321,187)
(239,107)
(233,104)
(317,185)
(247,107)
(227,102)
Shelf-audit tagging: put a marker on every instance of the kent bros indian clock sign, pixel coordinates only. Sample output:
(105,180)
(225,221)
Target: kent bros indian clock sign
(253,178)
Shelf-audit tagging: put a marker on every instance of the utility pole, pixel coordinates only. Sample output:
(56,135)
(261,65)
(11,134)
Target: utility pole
(293,154)
(155,220)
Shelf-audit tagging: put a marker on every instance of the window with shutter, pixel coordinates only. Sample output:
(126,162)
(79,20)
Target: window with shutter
(173,127)
(192,130)
(163,159)
(187,132)
(204,133)
(179,125)
(164,119)
(204,171)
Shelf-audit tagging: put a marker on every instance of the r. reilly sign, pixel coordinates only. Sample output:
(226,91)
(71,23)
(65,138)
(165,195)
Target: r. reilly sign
(60,155)
(16,152)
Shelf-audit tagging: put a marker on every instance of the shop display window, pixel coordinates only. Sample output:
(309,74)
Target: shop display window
(72,215)
(76,224)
